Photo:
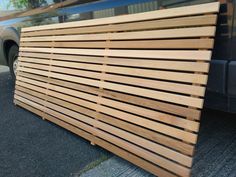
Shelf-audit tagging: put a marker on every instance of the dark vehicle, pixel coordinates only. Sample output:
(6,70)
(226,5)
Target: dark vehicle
(221,90)
(9,40)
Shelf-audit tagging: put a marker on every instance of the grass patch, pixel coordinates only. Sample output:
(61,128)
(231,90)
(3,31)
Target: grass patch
(94,164)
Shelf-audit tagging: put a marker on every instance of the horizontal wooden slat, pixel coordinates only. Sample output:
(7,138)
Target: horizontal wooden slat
(167,13)
(154,84)
(153,34)
(173,109)
(169,97)
(154,136)
(171,131)
(156,54)
(165,75)
(148,44)
(166,152)
(144,25)
(155,115)
(143,63)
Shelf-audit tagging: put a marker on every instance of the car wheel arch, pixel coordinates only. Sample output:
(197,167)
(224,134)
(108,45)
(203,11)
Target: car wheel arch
(6,46)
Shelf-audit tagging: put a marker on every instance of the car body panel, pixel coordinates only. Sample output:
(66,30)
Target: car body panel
(232,79)
(217,76)
(7,34)
(2,57)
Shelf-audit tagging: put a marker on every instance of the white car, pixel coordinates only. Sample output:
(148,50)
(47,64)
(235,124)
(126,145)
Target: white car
(9,42)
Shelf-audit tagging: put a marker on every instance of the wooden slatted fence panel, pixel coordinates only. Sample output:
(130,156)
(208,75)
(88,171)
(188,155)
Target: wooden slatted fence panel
(132,84)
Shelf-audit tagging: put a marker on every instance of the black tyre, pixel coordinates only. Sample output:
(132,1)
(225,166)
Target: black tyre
(12,58)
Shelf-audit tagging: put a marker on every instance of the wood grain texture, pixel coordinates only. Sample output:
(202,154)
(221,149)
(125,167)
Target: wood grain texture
(132,26)
(167,13)
(141,44)
(152,34)
(132,84)
(153,54)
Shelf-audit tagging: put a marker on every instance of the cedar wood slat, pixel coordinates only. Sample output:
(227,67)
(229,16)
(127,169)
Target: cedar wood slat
(148,113)
(144,63)
(152,34)
(163,96)
(174,87)
(153,54)
(171,131)
(165,13)
(149,44)
(153,104)
(178,145)
(151,24)
(165,75)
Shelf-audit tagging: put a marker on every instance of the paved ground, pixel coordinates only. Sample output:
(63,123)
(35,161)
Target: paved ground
(215,153)
(31,147)
(216,148)
(3,69)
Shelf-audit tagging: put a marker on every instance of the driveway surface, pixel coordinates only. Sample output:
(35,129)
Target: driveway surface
(32,147)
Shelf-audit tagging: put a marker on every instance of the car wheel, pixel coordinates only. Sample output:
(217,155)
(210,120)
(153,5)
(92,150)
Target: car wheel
(13,61)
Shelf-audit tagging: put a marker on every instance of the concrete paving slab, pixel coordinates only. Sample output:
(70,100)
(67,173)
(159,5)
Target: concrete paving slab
(3,69)
(115,167)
